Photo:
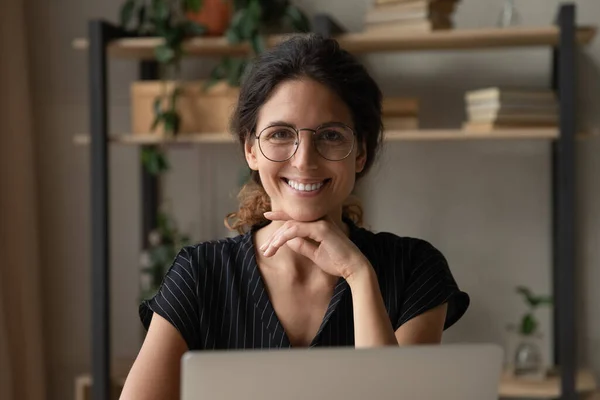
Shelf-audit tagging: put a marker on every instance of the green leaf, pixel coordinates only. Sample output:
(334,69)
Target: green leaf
(172,121)
(192,5)
(142,17)
(127,13)
(174,95)
(194,28)
(255,10)
(298,19)
(232,73)
(175,35)
(249,28)
(156,121)
(157,106)
(544,300)
(238,18)
(232,36)
(528,324)
(164,54)
(258,43)
(218,73)
(161,10)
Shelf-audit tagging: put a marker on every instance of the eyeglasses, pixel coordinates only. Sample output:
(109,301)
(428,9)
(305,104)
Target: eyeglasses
(333,141)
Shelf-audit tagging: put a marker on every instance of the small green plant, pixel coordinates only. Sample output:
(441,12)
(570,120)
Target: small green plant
(529,324)
(165,242)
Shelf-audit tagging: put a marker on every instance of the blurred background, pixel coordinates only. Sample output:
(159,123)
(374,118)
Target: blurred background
(485,204)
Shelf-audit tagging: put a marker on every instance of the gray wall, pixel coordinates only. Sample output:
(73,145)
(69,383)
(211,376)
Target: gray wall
(485,205)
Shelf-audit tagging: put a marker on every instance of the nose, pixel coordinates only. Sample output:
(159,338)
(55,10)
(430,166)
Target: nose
(305,158)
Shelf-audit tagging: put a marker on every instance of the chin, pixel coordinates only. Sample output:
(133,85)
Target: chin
(304,215)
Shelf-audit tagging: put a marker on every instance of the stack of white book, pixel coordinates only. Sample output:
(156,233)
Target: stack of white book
(406,16)
(510,108)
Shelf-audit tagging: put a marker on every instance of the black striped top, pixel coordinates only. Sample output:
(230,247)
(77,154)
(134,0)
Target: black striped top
(214,294)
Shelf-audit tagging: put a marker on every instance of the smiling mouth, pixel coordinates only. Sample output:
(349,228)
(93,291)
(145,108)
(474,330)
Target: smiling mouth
(306,187)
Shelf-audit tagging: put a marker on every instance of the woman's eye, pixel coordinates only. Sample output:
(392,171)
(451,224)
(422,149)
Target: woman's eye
(331,135)
(281,134)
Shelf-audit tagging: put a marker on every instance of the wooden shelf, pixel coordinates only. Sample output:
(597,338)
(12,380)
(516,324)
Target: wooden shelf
(548,388)
(364,42)
(390,136)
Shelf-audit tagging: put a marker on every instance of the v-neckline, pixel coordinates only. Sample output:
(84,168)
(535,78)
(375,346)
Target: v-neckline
(265,306)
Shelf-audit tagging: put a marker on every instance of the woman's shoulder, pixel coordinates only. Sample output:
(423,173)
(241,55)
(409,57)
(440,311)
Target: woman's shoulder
(212,252)
(391,246)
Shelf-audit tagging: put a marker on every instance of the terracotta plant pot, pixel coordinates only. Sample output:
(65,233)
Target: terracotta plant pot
(215,15)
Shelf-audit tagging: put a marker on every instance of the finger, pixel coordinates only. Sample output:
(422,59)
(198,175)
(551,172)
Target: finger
(273,235)
(308,230)
(279,240)
(305,247)
(277,216)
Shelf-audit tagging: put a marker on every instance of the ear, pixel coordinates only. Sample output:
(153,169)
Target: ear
(250,153)
(361,157)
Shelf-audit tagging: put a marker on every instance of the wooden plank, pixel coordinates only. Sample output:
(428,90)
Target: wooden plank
(362,43)
(548,388)
(405,135)
(457,134)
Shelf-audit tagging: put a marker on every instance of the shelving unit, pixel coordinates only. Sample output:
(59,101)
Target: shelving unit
(106,41)
(390,136)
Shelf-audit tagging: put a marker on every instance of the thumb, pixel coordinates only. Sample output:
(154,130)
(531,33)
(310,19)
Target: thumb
(277,216)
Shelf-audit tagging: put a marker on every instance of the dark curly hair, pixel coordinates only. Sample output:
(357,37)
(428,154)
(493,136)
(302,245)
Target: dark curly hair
(321,59)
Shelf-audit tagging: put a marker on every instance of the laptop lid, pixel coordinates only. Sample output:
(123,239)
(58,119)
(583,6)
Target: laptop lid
(449,372)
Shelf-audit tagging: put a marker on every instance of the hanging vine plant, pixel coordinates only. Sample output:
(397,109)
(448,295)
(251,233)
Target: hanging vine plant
(166,19)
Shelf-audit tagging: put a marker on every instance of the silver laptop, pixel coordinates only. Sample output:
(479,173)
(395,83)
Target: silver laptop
(447,372)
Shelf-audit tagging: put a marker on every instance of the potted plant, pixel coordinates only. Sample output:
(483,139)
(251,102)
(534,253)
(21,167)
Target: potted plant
(165,242)
(251,21)
(527,360)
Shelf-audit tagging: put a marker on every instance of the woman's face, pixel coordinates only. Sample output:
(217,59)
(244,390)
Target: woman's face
(307,186)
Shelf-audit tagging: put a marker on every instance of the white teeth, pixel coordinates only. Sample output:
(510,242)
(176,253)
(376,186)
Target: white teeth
(305,187)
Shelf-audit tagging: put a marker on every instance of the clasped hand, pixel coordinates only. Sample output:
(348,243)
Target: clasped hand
(322,241)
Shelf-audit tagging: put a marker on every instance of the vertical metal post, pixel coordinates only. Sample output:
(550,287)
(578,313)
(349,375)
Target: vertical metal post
(100,243)
(564,205)
(150,188)
(100,33)
(554,219)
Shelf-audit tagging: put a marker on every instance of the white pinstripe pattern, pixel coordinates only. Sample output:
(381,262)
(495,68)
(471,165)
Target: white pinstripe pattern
(417,291)
(424,294)
(422,282)
(182,306)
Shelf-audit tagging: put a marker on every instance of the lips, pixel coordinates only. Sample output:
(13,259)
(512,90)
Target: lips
(309,186)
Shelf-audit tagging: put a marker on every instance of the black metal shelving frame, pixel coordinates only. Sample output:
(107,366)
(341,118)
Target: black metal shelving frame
(564,81)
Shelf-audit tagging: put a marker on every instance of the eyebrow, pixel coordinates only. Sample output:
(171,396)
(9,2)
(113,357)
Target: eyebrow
(284,123)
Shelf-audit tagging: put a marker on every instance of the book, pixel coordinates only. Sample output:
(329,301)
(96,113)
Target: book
(550,107)
(447,6)
(399,106)
(528,119)
(419,26)
(400,123)
(377,3)
(541,114)
(510,95)
(375,16)
(491,126)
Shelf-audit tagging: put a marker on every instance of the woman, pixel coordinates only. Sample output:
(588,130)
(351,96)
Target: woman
(302,273)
